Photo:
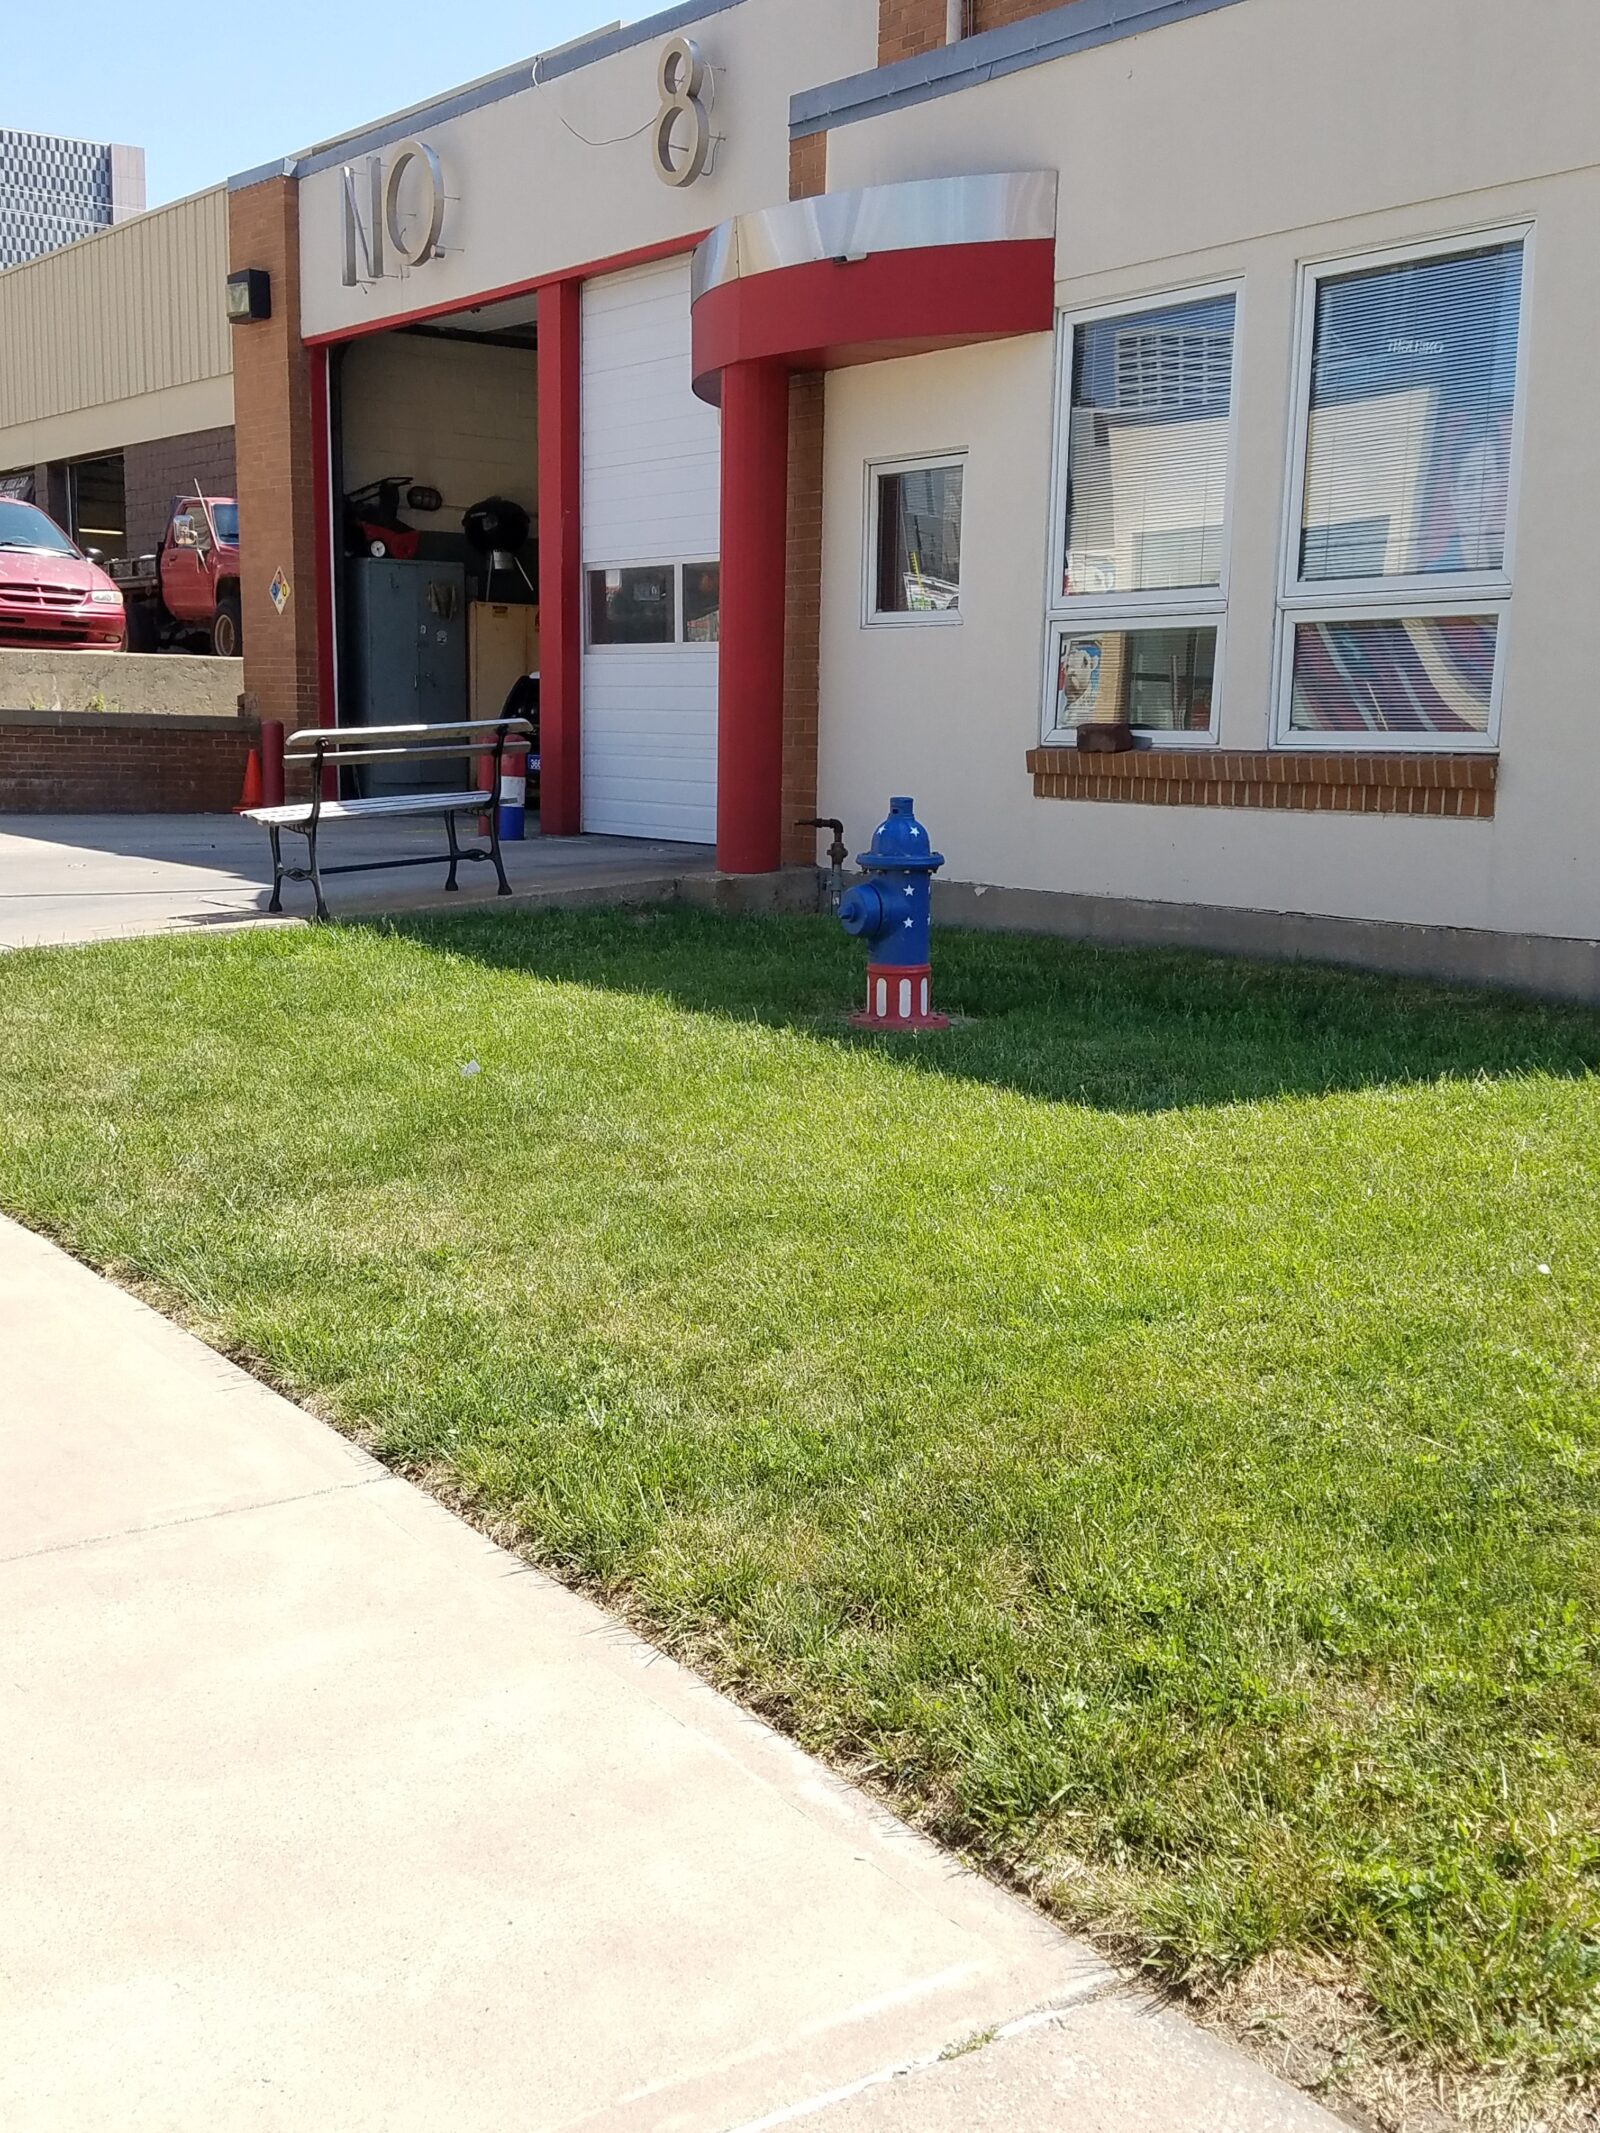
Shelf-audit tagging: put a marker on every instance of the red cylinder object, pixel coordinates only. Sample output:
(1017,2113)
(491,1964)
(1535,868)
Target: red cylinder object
(899,998)
(272,762)
(755,498)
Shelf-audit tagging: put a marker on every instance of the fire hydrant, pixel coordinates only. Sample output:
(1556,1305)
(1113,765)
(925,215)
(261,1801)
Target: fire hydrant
(891,914)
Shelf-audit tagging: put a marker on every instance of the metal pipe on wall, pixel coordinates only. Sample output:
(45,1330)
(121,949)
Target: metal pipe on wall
(955,21)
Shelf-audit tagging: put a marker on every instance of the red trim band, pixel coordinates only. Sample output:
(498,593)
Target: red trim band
(617,262)
(830,314)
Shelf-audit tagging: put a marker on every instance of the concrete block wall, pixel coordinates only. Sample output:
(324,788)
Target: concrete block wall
(153,474)
(458,418)
(88,733)
(134,684)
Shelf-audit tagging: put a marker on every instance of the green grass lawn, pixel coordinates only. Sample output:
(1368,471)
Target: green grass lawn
(1153,1430)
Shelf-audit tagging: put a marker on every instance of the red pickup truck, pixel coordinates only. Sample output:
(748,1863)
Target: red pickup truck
(188,591)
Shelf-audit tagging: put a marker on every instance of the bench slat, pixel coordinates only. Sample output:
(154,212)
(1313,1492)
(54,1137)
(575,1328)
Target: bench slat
(390,805)
(332,737)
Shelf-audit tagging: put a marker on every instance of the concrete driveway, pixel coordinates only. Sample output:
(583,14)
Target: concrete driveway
(66,878)
(321,1811)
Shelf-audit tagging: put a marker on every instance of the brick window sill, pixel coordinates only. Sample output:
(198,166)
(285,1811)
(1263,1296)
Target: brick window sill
(1331,782)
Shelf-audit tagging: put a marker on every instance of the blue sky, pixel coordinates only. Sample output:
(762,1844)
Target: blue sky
(238,84)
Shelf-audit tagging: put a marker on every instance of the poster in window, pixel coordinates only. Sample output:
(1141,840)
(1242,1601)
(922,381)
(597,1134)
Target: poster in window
(1078,681)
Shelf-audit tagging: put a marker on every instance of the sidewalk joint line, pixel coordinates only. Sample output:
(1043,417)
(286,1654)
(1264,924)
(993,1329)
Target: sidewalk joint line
(197,1518)
(907,2069)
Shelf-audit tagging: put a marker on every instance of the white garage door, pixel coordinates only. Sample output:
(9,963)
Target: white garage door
(650,518)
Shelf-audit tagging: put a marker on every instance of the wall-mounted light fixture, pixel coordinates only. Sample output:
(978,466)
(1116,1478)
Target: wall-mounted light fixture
(249,296)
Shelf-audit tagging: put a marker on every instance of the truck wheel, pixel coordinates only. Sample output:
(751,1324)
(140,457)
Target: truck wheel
(144,630)
(225,630)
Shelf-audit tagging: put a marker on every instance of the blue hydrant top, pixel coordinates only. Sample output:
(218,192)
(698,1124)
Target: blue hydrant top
(900,843)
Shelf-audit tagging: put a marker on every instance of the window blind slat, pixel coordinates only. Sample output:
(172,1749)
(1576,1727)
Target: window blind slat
(1408,450)
(1147,450)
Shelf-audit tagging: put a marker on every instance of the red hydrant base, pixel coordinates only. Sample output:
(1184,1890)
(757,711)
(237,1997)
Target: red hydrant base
(898,999)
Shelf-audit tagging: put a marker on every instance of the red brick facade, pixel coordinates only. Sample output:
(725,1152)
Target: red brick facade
(802,643)
(808,166)
(86,763)
(277,483)
(907,28)
(802,653)
(996,14)
(1457,785)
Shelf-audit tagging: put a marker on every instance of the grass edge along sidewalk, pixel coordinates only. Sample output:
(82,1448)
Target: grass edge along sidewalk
(1152,1432)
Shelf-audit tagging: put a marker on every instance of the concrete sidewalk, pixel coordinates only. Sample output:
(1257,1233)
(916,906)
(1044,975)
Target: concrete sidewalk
(74,878)
(320,1811)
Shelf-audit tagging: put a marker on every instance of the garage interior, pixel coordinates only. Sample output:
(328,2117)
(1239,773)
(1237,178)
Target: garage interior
(438,603)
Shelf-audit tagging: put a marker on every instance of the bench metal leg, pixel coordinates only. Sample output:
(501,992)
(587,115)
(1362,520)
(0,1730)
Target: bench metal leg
(276,837)
(316,878)
(494,846)
(455,851)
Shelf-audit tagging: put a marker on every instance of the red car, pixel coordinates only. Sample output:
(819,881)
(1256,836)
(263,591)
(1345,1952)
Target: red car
(50,592)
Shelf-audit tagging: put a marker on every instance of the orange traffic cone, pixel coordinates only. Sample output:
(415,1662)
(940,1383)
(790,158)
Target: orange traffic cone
(251,796)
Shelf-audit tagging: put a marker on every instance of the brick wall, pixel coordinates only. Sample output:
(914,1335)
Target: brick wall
(995,14)
(1458,786)
(276,482)
(802,643)
(908,27)
(808,166)
(78,763)
(153,474)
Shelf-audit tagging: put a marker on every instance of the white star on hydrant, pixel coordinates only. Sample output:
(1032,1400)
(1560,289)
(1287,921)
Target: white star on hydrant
(910,925)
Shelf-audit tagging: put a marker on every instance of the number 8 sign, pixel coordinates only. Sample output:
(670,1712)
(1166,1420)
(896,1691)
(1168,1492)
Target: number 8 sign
(682,78)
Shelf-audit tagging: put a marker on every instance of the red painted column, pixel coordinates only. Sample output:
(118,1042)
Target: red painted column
(755,479)
(323,565)
(322,535)
(560,563)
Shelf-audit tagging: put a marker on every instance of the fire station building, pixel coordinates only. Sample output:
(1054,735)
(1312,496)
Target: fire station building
(1155,433)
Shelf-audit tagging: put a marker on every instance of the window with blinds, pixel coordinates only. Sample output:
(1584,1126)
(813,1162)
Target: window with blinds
(1398,581)
(1144,467)
(1408,446)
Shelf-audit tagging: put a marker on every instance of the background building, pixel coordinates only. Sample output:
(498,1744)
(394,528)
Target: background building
(54,190)
(104,427)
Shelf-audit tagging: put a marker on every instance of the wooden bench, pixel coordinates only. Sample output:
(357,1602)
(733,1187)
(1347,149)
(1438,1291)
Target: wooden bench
(327,750)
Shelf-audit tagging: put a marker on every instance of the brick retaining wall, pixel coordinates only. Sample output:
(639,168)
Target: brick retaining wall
(85,763)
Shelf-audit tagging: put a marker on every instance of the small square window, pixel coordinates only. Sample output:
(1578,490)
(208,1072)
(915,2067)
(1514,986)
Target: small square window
(702,603)
(636,605)
(914,545)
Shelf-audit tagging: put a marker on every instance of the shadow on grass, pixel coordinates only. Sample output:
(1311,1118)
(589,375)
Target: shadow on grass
(1114,1029)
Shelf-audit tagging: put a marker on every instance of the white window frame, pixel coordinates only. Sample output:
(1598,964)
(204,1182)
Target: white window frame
(1102,614)
(874,617)
(1425,596)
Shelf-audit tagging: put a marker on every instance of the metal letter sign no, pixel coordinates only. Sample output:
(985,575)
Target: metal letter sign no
(379,225)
